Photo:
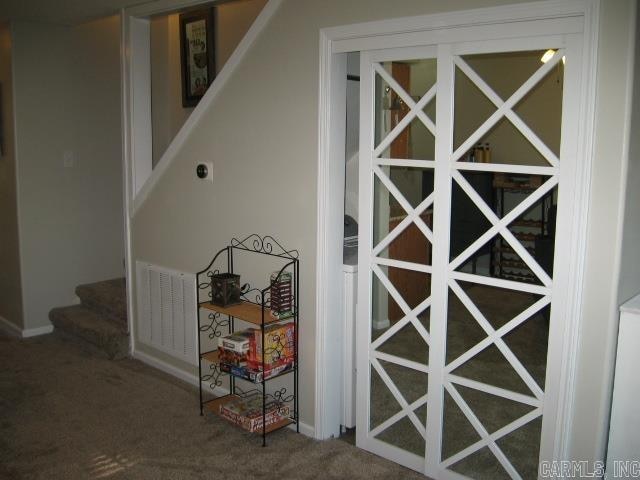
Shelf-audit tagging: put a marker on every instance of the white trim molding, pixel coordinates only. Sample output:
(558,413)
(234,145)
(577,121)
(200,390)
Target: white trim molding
(35,332)
(560,17)
(13,330)
(10,327)
(152,361)
(329,293)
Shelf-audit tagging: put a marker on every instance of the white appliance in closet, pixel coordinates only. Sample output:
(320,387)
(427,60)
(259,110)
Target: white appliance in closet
(350,280)
(350,275)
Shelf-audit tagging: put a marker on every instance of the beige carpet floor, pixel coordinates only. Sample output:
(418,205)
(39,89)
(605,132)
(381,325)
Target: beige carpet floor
(68,413)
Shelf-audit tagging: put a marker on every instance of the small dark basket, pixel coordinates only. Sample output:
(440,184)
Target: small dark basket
(225,289)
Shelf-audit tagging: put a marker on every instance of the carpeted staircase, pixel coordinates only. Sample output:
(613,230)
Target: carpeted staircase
(100,319)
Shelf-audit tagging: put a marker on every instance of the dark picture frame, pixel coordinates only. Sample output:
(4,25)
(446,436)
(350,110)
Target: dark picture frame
(197,54)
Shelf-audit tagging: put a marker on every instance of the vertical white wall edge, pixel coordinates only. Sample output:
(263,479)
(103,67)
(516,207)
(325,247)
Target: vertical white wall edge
(17,176)
(611,341)
(586,138)
(329,298)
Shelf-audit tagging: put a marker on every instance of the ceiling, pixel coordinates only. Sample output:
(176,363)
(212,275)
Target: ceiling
(61,11)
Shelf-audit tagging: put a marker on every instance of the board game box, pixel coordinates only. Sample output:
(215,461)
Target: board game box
(247,412)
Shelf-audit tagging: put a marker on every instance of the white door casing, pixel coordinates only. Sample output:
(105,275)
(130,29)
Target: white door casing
(448,171)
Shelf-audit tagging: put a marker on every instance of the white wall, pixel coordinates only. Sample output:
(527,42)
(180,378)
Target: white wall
(232,20)
(10,287)
(67,88)
(598,328)
(630,266)
(262,134)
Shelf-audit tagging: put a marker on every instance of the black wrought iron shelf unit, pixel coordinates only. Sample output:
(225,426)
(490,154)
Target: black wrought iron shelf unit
(216,321)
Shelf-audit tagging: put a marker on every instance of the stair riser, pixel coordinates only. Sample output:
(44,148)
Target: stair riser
(115,315)
(105,298)
(114,343)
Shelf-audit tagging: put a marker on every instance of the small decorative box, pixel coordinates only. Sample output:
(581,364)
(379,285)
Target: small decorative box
(225,289)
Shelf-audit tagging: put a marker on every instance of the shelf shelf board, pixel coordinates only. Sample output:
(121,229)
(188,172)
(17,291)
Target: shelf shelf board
(248,312)
(214,407)
(278,425)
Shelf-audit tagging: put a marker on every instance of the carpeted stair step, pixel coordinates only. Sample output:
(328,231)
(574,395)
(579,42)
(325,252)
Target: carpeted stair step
(88,325)
(107,298)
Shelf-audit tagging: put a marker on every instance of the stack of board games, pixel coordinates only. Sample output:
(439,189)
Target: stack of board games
(234,349)
(279,347)
(247,412)
(241,352)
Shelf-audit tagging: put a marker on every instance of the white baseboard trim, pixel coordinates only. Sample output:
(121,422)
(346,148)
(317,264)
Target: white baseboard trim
(10,328)
(13,330)
(305,429)
(34,332)
(166,368)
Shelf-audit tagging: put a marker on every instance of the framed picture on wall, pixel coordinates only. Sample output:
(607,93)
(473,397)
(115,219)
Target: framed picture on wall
(196,54)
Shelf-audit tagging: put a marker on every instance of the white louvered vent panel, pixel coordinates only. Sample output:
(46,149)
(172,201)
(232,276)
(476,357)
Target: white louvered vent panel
(144,303)
(191,321)
(177,312)
(155,307)
(167,311)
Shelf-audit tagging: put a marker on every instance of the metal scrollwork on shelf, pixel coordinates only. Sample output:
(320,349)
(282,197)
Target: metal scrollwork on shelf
(266,244)
(278,348)
(214,376)
(281,397)
(215,326)
(254,295)
(207,284)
